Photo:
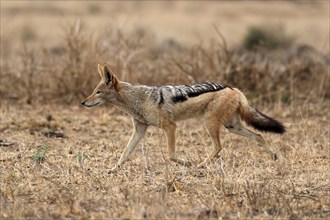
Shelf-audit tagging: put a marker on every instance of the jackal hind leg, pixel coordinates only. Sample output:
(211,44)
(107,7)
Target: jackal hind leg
(170,135)
(235,126)
(213,128)
(138,133)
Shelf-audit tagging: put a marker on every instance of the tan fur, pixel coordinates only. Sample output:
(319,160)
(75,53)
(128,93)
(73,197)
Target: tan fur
(224,107)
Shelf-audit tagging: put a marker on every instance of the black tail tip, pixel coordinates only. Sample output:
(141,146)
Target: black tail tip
(279,128)
(271,126)
(267,124)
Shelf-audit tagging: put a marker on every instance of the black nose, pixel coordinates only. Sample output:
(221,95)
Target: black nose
(83,102)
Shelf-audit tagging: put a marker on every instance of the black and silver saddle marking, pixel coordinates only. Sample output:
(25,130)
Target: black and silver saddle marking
(181,93)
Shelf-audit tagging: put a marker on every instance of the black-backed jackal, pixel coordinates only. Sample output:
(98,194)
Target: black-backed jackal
(162,106)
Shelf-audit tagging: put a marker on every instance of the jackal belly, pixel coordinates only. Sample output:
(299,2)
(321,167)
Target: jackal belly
(193,107)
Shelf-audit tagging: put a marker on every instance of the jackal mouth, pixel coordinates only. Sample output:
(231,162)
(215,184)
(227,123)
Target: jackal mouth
(91,105)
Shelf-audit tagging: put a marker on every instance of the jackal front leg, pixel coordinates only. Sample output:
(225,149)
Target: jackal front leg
(138,134)
(170,134)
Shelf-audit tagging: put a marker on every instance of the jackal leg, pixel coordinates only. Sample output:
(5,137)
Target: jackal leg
(213,127)
(138,133)
(235,126)
(170,135)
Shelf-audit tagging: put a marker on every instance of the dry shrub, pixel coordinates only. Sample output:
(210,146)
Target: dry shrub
(271,37)
(42,74)
(67,73)
(299,72)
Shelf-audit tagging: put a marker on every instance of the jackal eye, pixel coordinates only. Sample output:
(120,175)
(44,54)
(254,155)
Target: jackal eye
(98,92)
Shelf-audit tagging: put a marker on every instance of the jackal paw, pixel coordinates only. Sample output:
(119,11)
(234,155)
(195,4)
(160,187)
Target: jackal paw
(113,169)
(185,163)
(181,162)
(202,165)
(207,162)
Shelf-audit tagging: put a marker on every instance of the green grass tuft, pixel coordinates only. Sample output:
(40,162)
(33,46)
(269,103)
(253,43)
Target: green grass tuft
(40,155)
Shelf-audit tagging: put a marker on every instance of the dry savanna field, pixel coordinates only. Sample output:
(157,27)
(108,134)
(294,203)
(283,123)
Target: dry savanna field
(55,154)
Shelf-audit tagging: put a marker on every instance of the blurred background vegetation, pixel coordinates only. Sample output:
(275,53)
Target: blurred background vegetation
(50,51)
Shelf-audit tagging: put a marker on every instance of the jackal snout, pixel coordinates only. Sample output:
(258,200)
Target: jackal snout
(90,104)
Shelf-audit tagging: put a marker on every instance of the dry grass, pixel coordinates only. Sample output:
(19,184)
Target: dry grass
(66,73)
(57,166)
(72,180)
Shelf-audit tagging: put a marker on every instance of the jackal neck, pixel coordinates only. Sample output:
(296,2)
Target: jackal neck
(131,98)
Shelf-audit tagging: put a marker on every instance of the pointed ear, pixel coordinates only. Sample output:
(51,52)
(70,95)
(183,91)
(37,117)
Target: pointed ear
(99,67)
(109,76)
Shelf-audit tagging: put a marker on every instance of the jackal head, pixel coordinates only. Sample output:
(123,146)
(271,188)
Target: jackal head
(106,90)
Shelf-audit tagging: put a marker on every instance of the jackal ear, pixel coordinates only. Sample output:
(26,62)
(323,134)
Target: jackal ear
(100,69)
(109,76)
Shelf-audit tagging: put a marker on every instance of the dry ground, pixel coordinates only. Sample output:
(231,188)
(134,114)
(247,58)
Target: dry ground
(72,180)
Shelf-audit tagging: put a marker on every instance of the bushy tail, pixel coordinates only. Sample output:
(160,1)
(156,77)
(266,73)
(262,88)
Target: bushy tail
(257,119)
